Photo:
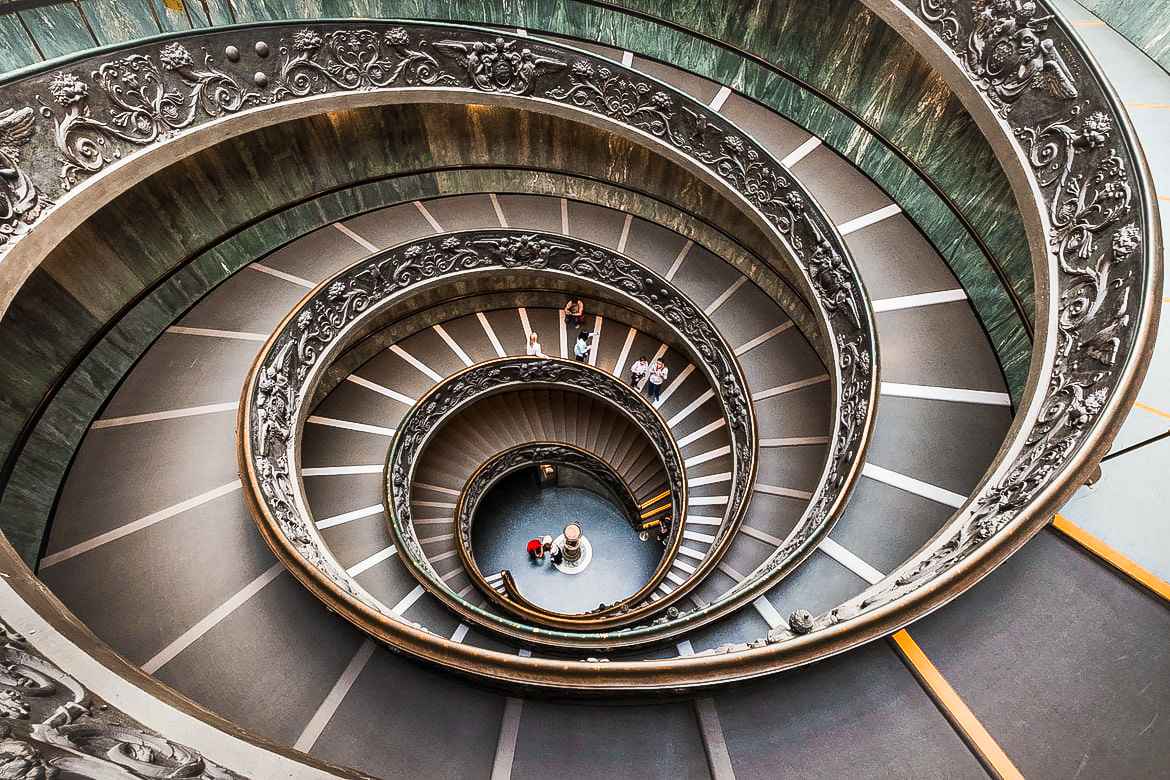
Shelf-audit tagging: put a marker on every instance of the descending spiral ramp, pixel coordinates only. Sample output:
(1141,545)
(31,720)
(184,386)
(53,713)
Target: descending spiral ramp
(291,386)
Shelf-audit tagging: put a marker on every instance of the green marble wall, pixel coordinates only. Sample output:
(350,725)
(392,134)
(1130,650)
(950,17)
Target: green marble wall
(1145,24)
(193,240)
(838,48)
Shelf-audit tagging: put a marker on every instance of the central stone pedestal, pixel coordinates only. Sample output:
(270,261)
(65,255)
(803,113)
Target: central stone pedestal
(577,550)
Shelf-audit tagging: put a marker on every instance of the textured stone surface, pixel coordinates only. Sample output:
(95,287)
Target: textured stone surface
(1143,23)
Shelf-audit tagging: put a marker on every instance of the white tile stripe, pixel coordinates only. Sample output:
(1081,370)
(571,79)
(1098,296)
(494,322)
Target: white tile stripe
(377,388)
(350,426)
(678,260)
(407,601)
(421,366)
(686,411)
(694,436)
(710,479)
(627,58)
(763,536)
(436,488)
(139,524)
(955,394)
(297,280)
(436,539)
(506,744)
(677,579)
(911,485)
(499,211)
(795,441)
(434,223)
(525,325)
(707,501)
(458,350)
(369,563)
(730,572)
(337,471)
(562,334)
(675,383)
(865,220)
(691,552)
(773,490)
(714,742)
(625,353)
(685,648)
(444,556)
(758,340)
(355,237)
(621,247)
(706,456)
(851,561)
(219,334)
(921,299)
(720,98)
(698,520)
(171,414)
(769,613)
(434,504)
(800,152)
(678,563)
(349,517)
(328,708)
(788,388)
(695,536)
(596,345)
(491,334)
(191,635)
(724,296)
(460,631)
(565,216)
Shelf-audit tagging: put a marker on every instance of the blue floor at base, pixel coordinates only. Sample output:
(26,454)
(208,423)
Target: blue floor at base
(517,510)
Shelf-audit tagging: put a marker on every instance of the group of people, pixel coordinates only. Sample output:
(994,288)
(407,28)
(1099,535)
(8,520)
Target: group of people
(574,318)
(652,375)
(540,547)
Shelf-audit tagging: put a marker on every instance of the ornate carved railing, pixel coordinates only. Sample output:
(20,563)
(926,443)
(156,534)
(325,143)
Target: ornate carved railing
(425,420)
(490,472)
(1065,143)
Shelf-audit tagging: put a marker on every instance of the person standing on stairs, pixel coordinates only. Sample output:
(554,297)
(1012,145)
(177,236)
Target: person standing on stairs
(534,344)
(574,313)
(658,376)
(581,348)
(638,370)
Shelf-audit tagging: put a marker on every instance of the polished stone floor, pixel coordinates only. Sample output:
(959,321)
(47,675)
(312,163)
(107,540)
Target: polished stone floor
(516,510)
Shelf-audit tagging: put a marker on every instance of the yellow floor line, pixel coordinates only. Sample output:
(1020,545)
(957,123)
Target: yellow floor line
(1088,23)
(955,710)
(1164,197)
(1151,409)
(1136,572)
(1155,106)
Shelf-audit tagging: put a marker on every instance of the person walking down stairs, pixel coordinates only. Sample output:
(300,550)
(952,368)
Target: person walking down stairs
(658,375)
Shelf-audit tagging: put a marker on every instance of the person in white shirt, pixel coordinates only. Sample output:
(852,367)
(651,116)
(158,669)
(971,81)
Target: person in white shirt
(534,344)
(638,370)
(581,348)
(658,376)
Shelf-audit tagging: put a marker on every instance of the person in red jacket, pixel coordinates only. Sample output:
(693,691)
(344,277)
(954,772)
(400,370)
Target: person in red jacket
(535,549)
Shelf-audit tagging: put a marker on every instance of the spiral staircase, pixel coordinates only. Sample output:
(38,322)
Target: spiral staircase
(269,285)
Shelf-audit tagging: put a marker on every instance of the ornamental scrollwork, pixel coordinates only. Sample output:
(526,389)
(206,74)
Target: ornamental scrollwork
(20,200)
(1007,51)
(501,65)
(1095,241)
(356,60)
(148,99)
(50,726)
